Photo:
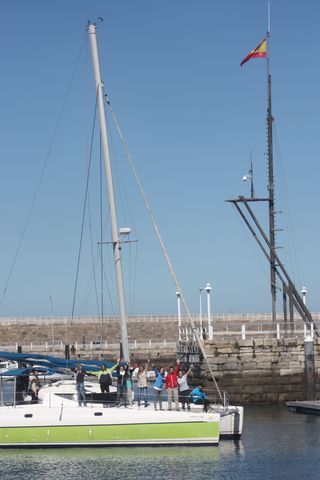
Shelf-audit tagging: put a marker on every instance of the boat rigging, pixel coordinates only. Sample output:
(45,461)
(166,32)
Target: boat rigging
(267,243)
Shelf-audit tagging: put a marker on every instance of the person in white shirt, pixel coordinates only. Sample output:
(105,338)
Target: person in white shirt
(143,384)
(184,390)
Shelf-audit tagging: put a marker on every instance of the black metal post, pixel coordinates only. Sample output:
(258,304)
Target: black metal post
(309,369)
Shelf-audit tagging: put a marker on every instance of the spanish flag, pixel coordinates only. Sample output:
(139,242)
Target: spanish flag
(259,52)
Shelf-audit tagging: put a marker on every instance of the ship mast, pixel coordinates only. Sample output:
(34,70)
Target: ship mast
(115,235)
(271,189)
(267,243)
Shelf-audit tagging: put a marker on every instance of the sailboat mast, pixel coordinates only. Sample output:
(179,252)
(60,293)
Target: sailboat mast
(112,209)
(271,208)
(271,188)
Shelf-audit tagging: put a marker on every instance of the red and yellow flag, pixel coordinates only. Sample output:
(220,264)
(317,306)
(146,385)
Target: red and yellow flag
(259,52)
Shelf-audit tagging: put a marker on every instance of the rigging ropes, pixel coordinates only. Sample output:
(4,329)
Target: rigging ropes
(39,182)
(164,250)
(84,210)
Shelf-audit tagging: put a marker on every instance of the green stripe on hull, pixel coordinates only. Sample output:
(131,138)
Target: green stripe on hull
(193,432)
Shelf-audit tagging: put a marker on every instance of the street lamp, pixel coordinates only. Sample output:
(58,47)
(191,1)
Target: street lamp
(208,290)
(249,176)
(200,313)
(304,292)
(179,314)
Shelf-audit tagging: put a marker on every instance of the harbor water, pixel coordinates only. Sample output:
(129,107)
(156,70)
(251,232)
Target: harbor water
(276,444)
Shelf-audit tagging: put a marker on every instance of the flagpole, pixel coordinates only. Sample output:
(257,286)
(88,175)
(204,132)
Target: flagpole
(271,187)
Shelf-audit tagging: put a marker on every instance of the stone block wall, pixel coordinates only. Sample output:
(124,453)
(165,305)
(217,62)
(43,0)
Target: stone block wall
(91,330)
(260,371)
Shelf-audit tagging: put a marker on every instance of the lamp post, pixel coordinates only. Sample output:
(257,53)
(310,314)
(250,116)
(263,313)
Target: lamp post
(179,314)
(208,290)
(304,292)
(200,313)
(249,176)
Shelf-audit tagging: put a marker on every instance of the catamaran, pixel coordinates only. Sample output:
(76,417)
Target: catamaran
(57,421)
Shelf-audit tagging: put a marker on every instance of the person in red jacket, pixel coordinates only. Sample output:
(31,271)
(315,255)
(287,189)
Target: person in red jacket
(172,386)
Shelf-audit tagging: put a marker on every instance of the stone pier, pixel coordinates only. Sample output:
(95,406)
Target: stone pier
(262,370)
(256,370)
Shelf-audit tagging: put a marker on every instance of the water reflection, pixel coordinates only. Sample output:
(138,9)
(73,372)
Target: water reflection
(111,463)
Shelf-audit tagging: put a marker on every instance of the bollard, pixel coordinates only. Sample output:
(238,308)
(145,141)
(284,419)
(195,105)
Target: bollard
(66,352)
(278,331)
(309,369)
(243,332)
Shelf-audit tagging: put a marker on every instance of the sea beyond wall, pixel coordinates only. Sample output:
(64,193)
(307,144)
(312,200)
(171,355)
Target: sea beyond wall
(258,369)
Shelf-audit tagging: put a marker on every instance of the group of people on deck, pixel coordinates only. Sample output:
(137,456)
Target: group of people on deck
(174,383)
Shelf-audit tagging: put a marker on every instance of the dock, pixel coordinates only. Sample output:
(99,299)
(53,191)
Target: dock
(309,406)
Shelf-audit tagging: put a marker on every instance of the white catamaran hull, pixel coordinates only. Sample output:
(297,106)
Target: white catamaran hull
(231,421)
(58,421)
(39,425)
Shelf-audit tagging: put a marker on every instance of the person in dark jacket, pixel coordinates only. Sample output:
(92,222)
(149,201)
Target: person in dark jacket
(81,392)
(129,391)
(123,377)
(105,376)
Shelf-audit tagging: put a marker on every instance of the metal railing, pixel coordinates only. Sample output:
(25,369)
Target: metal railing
(218,332)
(248,331)
(90,347)
(216,318)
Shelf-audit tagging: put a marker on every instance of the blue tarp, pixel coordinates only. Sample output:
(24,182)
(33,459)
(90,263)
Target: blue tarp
(18,372)
(48,363)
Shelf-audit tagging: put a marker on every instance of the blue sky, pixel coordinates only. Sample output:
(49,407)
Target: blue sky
(192,119)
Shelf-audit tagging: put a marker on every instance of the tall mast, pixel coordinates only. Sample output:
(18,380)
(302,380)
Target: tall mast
(271,188)
(271,207)
(112,210)
(265,242)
